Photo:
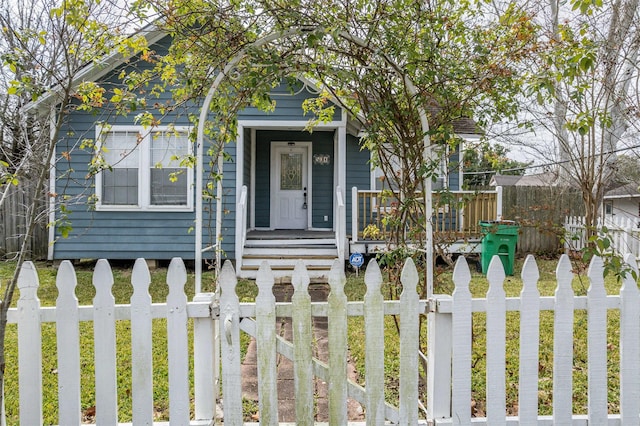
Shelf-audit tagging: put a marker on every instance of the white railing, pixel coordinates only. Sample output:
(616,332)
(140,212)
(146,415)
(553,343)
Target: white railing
(241,224)
(341,232)
(452,360)
(622,232)
(458,217)
(104,313)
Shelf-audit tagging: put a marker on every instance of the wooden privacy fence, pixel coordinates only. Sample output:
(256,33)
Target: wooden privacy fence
(67,315)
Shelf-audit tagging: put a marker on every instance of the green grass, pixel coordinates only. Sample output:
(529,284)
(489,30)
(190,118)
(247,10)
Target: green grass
(355,290)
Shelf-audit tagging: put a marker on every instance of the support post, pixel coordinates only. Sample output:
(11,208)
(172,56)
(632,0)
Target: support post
(439,362)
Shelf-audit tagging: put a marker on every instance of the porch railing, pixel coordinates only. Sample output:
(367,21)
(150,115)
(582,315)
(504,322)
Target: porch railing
(456,213)
(241,225)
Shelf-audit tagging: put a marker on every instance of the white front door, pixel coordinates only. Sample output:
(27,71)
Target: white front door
(290,183)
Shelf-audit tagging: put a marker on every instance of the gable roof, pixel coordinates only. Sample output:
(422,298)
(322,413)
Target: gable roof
(539,179)
(94,70)
(630,190)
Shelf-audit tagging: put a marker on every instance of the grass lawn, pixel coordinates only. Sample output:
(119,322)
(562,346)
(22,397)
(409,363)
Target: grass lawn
(355,291)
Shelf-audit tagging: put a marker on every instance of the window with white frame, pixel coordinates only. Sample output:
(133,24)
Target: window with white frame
(145,168)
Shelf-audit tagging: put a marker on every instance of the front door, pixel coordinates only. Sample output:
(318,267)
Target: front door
(290,180)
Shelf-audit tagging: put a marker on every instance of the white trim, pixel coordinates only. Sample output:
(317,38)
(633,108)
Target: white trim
(252,174)
(239,182)
(273,205)
(340,164)
(621,197)
(144,165)
(52,186)
(336,153)
(287,124)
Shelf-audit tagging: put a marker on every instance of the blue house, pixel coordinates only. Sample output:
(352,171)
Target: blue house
(286,193)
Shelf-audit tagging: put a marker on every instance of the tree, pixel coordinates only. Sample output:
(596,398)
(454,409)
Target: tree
(44,49)
(483,160)
(584,92)
(383,62)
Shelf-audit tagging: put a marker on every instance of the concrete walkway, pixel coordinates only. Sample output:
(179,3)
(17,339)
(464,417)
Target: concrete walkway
(286,394)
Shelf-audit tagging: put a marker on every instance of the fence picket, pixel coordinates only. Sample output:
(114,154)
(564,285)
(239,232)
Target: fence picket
(141,345)
(597,343)
(337,325)
(374,344)
(104,332)
(230,346)
(266,346)
(529,343)
(461,344)
(563,344)
(68,341)
(178,343)
(302,362)
(496,334)
(409,338)
(630,346)
(29,347)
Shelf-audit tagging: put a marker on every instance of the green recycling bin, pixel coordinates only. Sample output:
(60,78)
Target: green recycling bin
(500,238)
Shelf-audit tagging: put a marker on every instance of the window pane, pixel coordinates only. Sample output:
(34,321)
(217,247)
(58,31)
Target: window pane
(120,186)
(168,148)
(168,180)
(291,171)
(166,192)
(120,149)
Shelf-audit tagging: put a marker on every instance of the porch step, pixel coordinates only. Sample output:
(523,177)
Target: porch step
(318,256)
(291,242)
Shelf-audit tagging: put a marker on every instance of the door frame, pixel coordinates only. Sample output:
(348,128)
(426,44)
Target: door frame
(274,207)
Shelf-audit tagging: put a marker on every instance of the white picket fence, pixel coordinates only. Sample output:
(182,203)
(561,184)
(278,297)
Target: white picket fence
(623,233)
(453,318)
(449,384)
(30,316)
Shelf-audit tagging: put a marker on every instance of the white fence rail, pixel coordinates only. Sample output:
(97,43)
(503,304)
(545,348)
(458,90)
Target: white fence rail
(104,313)
(623,233)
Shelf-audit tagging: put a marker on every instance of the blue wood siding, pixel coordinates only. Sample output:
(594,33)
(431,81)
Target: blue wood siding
(323,189)
(288,106)
(121,234)
(358,172)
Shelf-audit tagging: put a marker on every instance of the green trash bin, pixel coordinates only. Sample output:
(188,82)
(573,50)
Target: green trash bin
(500,238)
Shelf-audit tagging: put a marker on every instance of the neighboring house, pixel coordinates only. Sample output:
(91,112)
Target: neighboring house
(623,202)
(539,179)
(144,204)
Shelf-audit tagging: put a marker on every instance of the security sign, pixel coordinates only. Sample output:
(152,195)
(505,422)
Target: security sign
(356,260)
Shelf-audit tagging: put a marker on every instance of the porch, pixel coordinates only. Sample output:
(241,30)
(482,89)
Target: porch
(456,218)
